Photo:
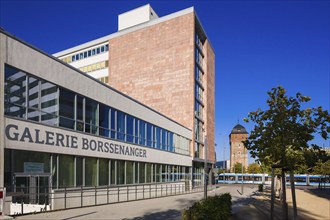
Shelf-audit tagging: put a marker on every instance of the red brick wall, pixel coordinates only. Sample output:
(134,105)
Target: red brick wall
(210,95)
(155,65)
(235,141)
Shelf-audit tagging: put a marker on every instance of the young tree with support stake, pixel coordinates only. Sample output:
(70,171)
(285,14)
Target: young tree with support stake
(282,132)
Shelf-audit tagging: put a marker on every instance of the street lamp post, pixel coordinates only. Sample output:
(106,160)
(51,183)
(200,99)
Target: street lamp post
(205,168)
(243,170)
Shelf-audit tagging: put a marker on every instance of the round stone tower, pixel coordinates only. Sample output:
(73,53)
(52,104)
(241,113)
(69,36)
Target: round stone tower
(238,152)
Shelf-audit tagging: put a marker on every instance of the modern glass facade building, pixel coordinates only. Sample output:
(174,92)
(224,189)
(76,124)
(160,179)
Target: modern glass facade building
(57,133)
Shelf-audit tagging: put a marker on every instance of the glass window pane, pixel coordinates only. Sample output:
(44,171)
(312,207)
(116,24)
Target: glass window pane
(136,131)
(120,125)
(91,115)
(129,128)
(66,123)
(142,131)
(91,111)
(103,172)
(33,93)
(79,171)
(142,175)
(49,98)
(66,102)
(113,172)
(66,171)
(158,170)
(15,86)
(164,139)
(136,164)
(104,120)
(49,119)
(164,173)
(90,171)
(80,108)
(148,172)
(33,114)
(15,110)
(158,137)
(120,172)
(113,123)
(20,157)
(149,135)
(129,172)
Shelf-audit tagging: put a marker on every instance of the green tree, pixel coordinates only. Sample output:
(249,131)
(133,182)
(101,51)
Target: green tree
(282,132)
(238,168)
(254,168)
(322,168)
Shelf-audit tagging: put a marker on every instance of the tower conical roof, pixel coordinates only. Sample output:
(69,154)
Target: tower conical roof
(239,129)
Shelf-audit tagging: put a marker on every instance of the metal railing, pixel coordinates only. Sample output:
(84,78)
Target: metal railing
(66,197)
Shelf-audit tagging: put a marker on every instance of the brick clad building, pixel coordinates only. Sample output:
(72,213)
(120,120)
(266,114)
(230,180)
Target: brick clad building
(167,63)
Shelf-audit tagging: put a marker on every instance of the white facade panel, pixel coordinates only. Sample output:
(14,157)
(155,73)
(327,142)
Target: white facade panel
(136,16)
(99,73)
(23,135)
(90,60)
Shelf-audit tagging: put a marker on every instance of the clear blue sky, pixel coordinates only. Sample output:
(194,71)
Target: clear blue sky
(258,44)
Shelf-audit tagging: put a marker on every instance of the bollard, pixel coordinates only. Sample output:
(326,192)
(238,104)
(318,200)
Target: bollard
(108,194)
(95,196)
(21,204)
(64,197)
(81,196)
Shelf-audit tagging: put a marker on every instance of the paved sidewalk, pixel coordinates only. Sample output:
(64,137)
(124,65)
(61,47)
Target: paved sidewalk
(312,203)
(153,209)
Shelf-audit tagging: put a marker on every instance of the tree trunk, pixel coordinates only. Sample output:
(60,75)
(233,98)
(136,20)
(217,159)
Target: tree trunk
(293,192)
(272,195)
(284,205)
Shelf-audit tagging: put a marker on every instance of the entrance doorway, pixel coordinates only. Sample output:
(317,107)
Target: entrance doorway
(32,188)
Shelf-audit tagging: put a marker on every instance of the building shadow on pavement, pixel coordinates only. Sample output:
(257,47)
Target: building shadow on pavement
(258,206)
(319,192)
(169,214)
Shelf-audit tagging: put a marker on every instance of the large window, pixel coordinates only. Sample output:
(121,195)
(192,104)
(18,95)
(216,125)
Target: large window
(79,171)
(66,102)
(120,125)
(142,172)
(120,172)
(90,171)
(130,129)
(32,98)
(66,171)
(104,120)
(129,172)
(103,172)
(15,92)
(91,116)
